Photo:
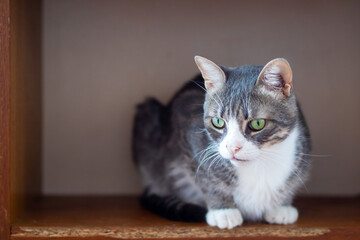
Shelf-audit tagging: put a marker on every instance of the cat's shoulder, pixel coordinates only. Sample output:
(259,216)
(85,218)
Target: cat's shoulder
(190,96)
(195,85)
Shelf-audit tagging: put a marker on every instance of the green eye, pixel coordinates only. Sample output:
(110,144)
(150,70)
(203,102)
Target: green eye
(257,124)
(218,122)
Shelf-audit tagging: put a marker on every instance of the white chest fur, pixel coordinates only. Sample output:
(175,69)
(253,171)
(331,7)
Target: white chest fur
(261,179)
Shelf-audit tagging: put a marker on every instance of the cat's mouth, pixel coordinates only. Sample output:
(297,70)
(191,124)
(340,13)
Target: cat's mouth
(239,159)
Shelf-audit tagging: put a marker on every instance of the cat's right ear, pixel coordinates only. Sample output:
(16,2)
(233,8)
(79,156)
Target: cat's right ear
(213,75)
(277,76)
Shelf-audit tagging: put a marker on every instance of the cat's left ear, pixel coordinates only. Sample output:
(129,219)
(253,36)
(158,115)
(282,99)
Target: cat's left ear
(277,76)
(213,75)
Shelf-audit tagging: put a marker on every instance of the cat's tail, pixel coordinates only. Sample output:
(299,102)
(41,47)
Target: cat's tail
(149,127)
(172,208)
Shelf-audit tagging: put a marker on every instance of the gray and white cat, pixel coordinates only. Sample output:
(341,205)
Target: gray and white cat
(237,151)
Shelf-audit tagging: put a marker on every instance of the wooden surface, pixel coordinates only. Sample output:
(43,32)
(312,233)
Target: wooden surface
(25,102)
(4,119)
(121,217)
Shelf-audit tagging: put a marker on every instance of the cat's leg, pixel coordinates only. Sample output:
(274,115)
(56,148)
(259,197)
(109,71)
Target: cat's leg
(222,212)
(281,215)
(224,218)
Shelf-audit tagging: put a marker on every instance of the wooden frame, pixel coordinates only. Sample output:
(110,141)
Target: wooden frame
(99,217)
(4,119)
(20,108)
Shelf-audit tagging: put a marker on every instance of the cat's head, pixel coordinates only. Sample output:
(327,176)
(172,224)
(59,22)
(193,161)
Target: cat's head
(248,109)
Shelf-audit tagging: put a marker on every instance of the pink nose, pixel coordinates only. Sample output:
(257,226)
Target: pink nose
(233,149)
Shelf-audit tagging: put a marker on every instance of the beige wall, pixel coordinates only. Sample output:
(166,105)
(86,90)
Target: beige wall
(103,57)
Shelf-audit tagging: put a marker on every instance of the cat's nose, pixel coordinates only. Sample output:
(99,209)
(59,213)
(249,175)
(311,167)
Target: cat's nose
(234,149)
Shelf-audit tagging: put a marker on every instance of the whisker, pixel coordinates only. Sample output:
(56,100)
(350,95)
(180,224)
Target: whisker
(300,153)
(206,155)
(201,130)
(212,162)
(200,86)
(315,155)
(210,147)
(209,94)
(219,161)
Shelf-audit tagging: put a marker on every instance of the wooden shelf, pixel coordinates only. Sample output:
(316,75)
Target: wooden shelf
(122,217)
(21,144)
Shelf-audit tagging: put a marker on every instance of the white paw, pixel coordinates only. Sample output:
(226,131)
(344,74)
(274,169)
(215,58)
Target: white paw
(282,215)
(224,218)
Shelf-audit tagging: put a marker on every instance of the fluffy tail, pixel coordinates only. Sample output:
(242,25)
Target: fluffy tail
(173,209)
(150,133)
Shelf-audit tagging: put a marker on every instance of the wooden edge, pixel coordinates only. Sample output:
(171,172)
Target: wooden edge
(4,119)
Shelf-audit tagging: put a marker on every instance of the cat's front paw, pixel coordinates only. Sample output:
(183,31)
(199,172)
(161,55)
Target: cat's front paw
(282,215)
(224,218)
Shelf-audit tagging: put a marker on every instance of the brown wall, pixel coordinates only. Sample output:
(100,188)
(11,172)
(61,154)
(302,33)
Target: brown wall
(103,57)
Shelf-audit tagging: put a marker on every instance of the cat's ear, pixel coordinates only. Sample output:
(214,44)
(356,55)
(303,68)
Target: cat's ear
(213,75)
(277,76)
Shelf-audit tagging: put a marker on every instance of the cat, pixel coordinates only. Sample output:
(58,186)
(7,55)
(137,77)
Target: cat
(231,145)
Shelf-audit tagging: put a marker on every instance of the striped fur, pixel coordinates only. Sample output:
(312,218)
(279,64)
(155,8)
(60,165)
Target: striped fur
(183,157)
